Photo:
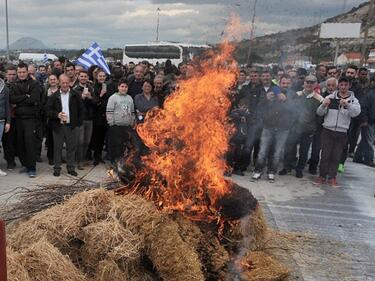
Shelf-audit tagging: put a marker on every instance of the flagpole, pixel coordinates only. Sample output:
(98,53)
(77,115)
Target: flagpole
(157,26)
(7,29)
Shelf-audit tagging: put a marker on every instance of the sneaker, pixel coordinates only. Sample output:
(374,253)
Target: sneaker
(32,174)
(271,177)
(50,162)
(332,182)
(2,173)
(351,154)
(319,181)
(39,159)
(256,176)
(73,173)
(80,167)
(56,173)
(299,174)
(11,166)
(340,168)
(283,172)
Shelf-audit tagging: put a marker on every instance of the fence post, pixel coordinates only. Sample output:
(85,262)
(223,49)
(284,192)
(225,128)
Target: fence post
(3,256)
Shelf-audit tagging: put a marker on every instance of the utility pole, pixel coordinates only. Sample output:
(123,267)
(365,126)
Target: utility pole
(370,19)
(157,26)
(252,32)
(7,29)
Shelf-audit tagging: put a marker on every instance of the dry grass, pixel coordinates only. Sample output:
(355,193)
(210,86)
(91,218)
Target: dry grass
(16,271)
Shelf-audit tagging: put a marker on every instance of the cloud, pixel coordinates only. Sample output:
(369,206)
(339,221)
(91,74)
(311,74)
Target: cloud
(114,23)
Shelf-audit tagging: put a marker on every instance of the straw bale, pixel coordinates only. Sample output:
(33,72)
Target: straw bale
(174,259)
(248,233)
(109,239)
(108,270)
(261,267)
(212,254)
(16,271)
(62,223)
(44,262)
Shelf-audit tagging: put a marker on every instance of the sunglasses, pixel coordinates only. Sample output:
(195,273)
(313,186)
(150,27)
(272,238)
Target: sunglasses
(332,73)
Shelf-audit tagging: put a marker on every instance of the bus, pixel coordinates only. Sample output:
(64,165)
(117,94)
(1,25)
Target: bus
(161,51)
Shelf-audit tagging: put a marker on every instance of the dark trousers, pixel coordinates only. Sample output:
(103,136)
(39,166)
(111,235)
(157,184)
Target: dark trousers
(365,150)
(353,134)
(333,144)
(98,136)
(61,134)
(39,135)
(26,140)
(294,139)
(118,137)
(9,143)
(315,150)
(237,156)
(272,143)
(49,141)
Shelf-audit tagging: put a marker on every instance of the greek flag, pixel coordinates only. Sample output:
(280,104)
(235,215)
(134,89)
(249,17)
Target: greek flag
(45,58)
(93,56)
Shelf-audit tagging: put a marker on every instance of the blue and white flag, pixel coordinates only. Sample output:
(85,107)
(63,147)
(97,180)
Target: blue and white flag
(45,58)
(93,56)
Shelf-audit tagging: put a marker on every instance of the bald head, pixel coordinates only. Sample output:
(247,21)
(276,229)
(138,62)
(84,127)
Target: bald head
(64,82)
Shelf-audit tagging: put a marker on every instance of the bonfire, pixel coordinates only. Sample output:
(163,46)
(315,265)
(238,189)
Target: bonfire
(173,216)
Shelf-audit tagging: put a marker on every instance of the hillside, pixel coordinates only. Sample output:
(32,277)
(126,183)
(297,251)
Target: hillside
(27,43)
(305,41)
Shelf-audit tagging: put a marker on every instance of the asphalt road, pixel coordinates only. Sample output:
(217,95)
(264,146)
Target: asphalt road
(335,228)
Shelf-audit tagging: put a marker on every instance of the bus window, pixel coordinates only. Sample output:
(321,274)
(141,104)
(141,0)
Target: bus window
(153,52)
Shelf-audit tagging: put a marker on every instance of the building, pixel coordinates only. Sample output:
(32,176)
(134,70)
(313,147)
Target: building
(349,58)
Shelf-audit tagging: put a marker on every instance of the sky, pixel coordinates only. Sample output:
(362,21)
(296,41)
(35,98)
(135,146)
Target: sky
(114,23)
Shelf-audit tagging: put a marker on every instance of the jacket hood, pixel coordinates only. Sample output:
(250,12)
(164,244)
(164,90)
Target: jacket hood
(2,84)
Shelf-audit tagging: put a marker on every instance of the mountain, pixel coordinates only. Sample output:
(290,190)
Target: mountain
(27,43)
(305,42)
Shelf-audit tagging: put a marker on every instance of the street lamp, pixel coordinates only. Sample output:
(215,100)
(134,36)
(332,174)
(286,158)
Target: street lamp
(7,28)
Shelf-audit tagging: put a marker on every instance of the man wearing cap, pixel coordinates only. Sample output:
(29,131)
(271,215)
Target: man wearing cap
(305,103)
(338,109)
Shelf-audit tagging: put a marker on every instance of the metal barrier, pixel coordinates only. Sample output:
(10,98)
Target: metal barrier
(3,255)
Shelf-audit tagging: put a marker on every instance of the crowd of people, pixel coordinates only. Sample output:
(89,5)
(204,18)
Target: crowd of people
(282,115)
(289,118)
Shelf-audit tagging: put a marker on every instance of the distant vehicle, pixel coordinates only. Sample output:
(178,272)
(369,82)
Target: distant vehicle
(35,57)
(161,51)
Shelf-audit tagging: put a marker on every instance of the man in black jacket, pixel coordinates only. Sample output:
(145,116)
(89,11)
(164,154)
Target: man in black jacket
(365,151)
(64,108)
(25,95)
(277,114)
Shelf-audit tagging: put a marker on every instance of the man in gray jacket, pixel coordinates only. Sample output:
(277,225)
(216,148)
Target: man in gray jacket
(338,109)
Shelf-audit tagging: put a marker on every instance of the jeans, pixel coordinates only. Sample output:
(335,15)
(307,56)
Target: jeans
(118,137)
(365,151)
(304,141)
(84,133)
(272,143)
(2,125)
(254,133)
(332,147)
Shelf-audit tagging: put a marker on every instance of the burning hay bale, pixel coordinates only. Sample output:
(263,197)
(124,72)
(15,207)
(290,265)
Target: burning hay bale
(258,266)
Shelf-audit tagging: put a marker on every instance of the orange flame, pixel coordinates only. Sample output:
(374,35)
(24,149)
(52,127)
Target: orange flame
(188,140)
